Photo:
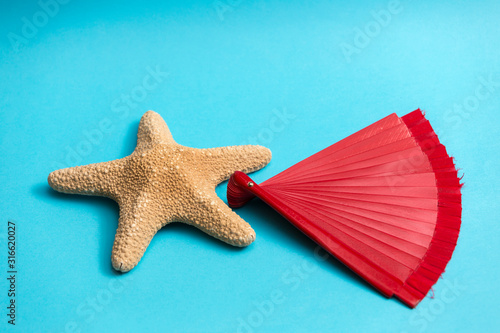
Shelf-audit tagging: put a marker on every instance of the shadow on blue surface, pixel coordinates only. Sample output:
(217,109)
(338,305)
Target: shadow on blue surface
(264,217)
(43,192)
(187,231)
(130,139)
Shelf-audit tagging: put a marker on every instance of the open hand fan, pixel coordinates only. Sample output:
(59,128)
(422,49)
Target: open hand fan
(385,201)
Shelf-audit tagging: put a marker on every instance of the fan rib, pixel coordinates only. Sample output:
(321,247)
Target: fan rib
(353,194)
(364,244)
(360,226)
(409,180)
(387,160)
(401,192)
(429,204)
(383,227)
(393,147)
(424,227)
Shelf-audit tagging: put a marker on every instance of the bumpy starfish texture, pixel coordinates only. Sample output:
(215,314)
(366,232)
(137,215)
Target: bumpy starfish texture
(163,182)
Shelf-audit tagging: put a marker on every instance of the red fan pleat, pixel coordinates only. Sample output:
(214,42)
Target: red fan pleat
(386,201)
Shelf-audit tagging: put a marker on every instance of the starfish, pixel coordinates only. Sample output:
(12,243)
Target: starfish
(163,182)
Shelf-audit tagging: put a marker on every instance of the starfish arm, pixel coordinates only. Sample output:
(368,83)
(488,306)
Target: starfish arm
(99,179)
(140,219)
(152,131)
(220,163)
(211,215)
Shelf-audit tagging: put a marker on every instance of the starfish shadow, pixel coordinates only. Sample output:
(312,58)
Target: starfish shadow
(108,210)
(196,236)
(266,218)
(130,140)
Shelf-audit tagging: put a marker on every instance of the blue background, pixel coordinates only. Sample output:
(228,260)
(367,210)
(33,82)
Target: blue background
(232,67)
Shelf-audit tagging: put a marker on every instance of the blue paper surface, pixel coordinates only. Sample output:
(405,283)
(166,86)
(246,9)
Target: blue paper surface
(76,76)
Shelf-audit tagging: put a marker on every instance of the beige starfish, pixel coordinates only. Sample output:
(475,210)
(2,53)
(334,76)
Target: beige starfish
(163,182)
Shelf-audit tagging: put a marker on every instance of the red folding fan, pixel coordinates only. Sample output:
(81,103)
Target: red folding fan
(385,201)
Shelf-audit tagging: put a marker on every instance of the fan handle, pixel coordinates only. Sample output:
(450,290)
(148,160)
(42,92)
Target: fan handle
(239,189)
